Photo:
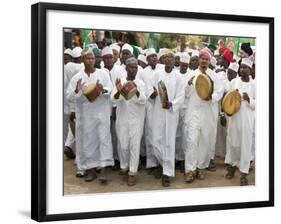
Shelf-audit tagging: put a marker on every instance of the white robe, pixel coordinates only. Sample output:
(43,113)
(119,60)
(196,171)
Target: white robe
(112,122)
(117,72)
(201,124)
(129,126)
(254,133)
(165,121)
(70,69)
(181,135)
(93,139)
(147,76)
(240,127)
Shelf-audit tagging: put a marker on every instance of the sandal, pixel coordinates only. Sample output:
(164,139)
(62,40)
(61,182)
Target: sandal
(212,166)
(91,175)
(166,182)
(230,172)
(243,180)
(200,175)
(189,177)
(69,152)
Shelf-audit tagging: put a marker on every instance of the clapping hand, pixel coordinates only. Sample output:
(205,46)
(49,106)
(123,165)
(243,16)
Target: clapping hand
(118,85)
(79,85)
(190,81)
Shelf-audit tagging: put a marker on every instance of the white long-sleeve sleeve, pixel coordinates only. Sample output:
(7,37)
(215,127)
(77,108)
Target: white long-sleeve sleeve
(177,102)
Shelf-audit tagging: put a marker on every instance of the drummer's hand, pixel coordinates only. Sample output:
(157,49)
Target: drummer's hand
(118,85)
(190,80)
(99,85)
(154,94)
(246,97)
(223,120)
(72,116)
(209,98)
(138,94)
(79,85)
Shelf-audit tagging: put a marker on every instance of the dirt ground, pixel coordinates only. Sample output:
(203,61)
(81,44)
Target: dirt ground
(145,181)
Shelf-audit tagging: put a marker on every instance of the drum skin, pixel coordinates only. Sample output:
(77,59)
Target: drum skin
(163,95)
(231,102)
(92,92)
(128,90)
(204,86)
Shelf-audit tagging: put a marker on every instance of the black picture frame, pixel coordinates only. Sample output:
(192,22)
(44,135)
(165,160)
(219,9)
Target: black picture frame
(39,110)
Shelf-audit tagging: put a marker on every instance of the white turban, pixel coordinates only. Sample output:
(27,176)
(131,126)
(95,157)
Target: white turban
(127,47)
(142,58)
(115,47)
(185,58)
(68,51)
(247,61)
(76,52)
(165,51)
(150,51)
(195,53)
(161,52)
(233,66)
(106,50)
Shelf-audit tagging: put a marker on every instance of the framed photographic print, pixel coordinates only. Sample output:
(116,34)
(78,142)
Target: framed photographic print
(76,137)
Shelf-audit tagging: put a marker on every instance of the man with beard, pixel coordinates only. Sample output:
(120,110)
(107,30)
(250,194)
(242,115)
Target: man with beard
(130,120)
(92,130)
(165,118)
(147,75)
(241,124)
(200,122)
(181,137)
(70,69)
(109,66)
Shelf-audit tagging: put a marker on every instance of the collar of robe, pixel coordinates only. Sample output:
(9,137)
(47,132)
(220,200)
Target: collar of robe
(88,72)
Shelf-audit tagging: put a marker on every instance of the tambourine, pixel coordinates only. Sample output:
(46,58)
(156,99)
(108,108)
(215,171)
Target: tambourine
(231,102)
(204,86)
(163,94)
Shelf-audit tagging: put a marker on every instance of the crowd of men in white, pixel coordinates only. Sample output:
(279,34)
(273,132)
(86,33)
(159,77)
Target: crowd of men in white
(190,129)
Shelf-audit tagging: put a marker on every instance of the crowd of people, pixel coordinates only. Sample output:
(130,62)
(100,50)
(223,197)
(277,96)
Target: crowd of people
(116,114)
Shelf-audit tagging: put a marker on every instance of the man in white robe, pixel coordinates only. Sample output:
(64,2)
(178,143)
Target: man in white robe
(222,129)
(147,76)
(200,122)
(165,120)
(119,72)
(181,138)
(93,139)
(109,67)
(70,69)
(241,124)
(130,121)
